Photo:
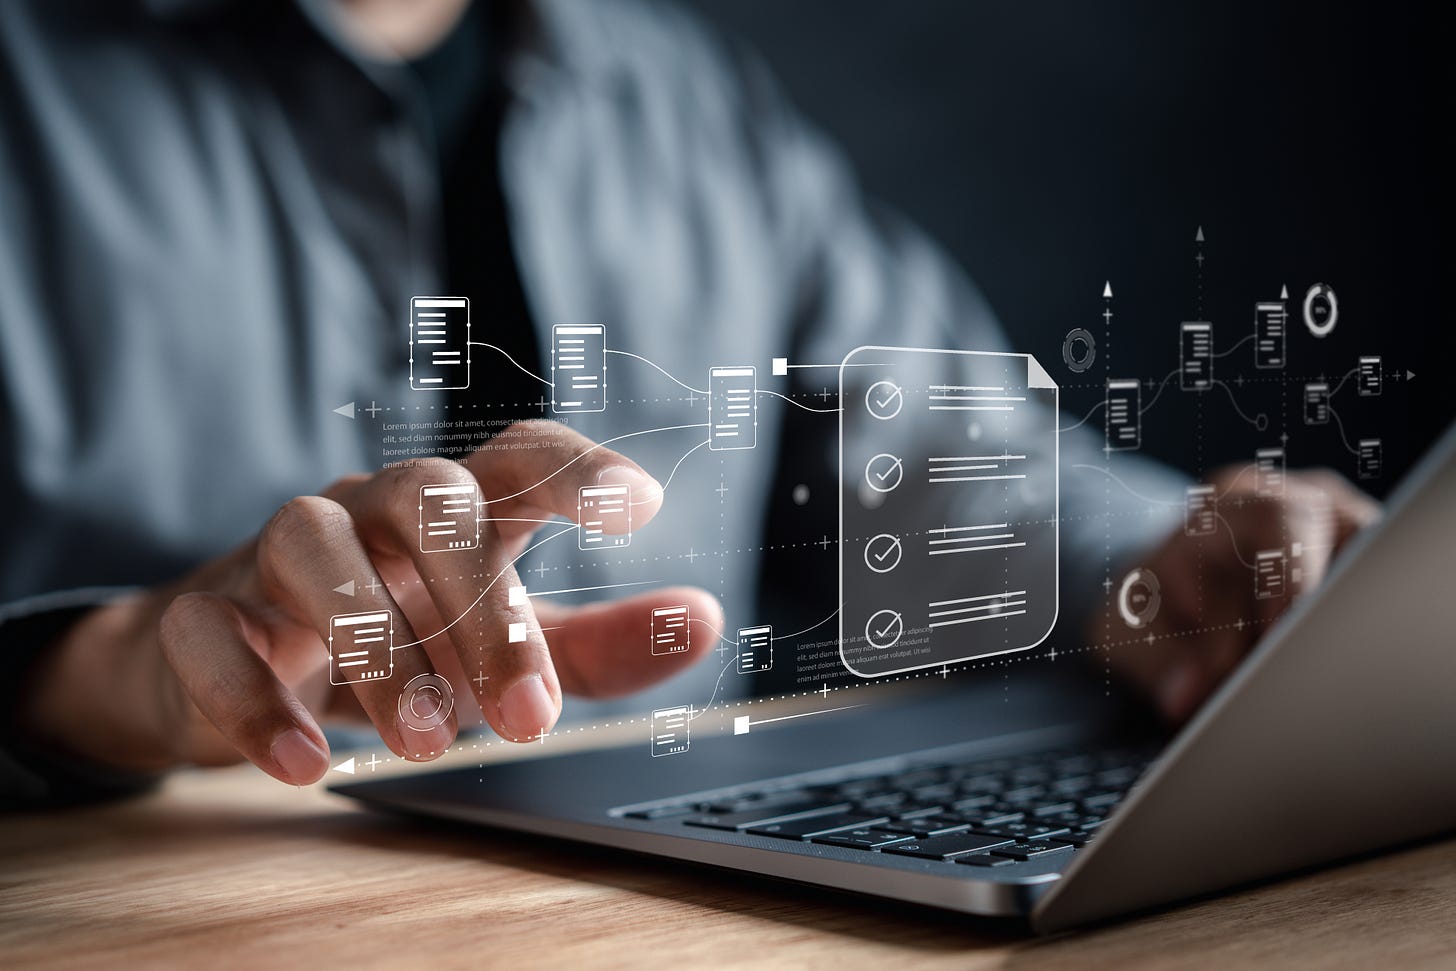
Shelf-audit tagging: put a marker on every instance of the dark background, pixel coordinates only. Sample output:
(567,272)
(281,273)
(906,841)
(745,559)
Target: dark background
(1053,146)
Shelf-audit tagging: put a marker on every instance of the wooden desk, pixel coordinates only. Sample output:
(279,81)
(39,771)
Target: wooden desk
(228,869)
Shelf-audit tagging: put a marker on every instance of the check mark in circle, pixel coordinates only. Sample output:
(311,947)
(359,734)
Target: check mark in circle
(884,472)
(882,553)
(883,629)
(884,400)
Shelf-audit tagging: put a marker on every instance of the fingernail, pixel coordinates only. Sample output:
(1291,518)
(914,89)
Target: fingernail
(1176,692)
(422,746)
(298,757)
(643,486)
(527,709)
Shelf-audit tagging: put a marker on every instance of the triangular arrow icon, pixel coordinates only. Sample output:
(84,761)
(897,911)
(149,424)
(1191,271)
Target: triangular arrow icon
(1107,290)
(347,589)
(1409,375)
(346,410)
(1199,237)
(1284,292)
(346,766)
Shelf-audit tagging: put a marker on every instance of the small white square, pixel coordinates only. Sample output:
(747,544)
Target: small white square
(516,633)
(740,725)
(780,366)
(516,597)
(1297,549)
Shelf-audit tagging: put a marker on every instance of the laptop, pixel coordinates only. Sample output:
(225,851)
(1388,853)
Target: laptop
(1025,798)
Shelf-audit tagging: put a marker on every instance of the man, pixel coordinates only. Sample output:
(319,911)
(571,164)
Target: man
(214,216)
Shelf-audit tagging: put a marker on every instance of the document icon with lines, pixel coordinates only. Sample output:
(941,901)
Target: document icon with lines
(670,730)
(1124,414)
(439,343)
(361,647)
(578,368)
(605,517)
(948,507)
(1200,511)
(1196,355)
(1269,321)
(448,518)
(732,408)
(755,649)
(670,630)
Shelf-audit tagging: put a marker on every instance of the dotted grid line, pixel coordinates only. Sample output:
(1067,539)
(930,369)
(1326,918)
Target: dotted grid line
(1107,517)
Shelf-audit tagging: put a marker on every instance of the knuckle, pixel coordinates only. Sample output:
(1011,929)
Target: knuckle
(304,520)
(183,615)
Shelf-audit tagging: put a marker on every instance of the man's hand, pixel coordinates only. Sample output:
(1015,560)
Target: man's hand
(1210,616)
(231,663)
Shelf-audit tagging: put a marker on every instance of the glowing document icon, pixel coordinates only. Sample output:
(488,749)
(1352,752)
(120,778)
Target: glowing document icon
(361,647)
(755,649)
(732,408)
(1196,347)
(1269,574)
(1269,322)
(439,343)
(1124,414)
(670,634)
(578,368)
(605,515)
(1368,463)
(447,517)
(670,730)
(1317,403)
(1370,375)
(1200,511)
(1269,472)
(962,563)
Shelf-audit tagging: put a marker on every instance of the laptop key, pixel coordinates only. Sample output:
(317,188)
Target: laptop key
(747,818)
(802,829)
(985,859)
(946,847)
(1031,850)
(862,839)
(1022,831)
(926,828)
(1077,837)
(662,812)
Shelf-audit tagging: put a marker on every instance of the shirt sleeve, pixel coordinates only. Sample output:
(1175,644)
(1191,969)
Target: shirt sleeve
(31,777)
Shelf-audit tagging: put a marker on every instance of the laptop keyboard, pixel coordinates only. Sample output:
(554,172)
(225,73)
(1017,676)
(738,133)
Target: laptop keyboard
(986,813)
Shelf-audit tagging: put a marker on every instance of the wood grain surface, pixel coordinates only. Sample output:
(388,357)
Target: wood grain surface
(228,869)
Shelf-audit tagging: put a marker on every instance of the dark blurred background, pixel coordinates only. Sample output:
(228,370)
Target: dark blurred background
(1052,146)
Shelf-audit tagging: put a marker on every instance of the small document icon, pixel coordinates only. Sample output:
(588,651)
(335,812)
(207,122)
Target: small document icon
(439,343)
(605,515)
(578,368)
(732,408)
(1368,464)
(1269,321)
(1269,472)
(1317,403)
(755,649)
(1370,375)
(670,630)
(1124,418)
(670,731)
(1269,574)
(1197,355)
(361,647)
(447,518)
(1200,513)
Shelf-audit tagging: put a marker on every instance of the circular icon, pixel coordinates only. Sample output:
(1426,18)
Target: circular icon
(1079,349)
(1138,598)
(884,400)
(883,630)
(426,702)
(1321,309)
(882,553)
(884,472)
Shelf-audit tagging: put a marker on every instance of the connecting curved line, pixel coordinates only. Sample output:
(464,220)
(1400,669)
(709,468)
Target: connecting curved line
(518,364)
(658,368)
(1130,490)
(639,502)
(587,451)
(1240,344)
(1234,401)
(716,685)
(817,411)
(832,614)
(1159,393)
(1085,418)
(476,602)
